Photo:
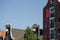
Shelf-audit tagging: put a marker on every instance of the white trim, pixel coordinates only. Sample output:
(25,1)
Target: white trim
(51,9)
(50,21)
(6,30)
(50,31)
(51,18)
(52,39)
(11,33)
(34,30)
(58,0)
(51,28)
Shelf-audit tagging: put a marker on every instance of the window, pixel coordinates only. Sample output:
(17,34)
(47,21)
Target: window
(52,15)
(51,23)
(59,20)
(51,31)
(51,34)
(59,31)
(1,38)
(52,11)
(51,1)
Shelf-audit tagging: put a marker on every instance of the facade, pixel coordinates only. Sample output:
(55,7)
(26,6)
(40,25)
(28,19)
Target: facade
(51,20)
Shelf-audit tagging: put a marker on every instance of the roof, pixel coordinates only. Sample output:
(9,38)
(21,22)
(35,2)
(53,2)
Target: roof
(18,34)
(2,33)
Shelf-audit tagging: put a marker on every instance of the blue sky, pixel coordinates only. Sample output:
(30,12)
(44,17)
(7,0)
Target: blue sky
(21,13)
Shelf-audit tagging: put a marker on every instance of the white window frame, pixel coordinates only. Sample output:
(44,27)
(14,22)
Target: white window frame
(51,9)
(50,22)
(50,33)
(52,39)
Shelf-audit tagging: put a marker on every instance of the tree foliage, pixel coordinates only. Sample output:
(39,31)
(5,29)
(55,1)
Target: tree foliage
(29,34)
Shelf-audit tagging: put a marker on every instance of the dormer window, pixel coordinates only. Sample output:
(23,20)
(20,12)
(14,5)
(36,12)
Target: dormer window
(51,1)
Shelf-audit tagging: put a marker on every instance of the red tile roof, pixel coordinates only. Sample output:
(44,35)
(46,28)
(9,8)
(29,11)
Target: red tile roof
(2,33)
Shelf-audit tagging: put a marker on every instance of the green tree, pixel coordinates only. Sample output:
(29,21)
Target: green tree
(29,34)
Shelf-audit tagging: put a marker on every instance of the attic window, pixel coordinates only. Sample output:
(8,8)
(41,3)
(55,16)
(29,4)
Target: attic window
(51,1)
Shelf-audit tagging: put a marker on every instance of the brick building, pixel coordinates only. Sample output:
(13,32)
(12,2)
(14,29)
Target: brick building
(51,20)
